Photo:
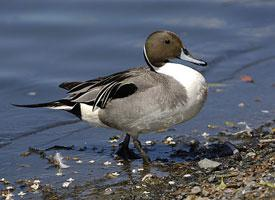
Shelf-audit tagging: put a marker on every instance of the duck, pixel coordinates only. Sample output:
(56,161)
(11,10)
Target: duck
(144,99)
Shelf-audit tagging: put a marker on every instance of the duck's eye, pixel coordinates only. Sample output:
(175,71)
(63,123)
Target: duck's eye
(167,41)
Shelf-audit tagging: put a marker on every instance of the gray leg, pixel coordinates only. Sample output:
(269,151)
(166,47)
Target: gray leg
(124,152)
(138,146)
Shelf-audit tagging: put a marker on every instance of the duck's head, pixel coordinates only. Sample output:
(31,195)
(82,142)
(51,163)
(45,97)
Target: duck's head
(163,46)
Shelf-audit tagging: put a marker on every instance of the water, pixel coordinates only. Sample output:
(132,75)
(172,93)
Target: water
(44,43)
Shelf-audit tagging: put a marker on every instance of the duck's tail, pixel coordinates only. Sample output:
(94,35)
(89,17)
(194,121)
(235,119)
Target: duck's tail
(56,105)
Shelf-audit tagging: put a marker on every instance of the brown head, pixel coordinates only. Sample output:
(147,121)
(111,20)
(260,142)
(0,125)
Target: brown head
(162,46)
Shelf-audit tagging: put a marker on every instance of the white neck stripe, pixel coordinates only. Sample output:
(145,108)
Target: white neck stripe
(147,60)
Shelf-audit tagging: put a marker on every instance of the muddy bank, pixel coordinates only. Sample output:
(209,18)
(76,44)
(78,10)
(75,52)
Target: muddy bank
(247,174)
(218,170)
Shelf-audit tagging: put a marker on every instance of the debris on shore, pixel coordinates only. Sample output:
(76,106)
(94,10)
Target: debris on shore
(220,170)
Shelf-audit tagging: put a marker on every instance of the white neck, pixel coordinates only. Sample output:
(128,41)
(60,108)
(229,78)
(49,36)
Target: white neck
(181,73)
(191,79)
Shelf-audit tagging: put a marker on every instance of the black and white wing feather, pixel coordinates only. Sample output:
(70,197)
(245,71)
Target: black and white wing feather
(100,91)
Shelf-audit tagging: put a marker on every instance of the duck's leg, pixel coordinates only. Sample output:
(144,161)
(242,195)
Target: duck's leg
(124,152)
(138,146)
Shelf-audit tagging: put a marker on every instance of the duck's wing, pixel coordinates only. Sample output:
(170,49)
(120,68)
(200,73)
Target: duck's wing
(97,92)
(100,91)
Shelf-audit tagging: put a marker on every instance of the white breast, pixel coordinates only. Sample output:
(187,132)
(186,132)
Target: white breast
(191,80)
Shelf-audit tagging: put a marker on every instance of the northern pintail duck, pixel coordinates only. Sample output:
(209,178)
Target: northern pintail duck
(140,100)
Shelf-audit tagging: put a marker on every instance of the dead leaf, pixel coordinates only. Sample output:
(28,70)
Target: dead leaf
(222,185)
(229,124)
(247,79)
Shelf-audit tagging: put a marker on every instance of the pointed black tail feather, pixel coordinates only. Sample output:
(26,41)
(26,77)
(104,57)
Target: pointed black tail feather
(61,104)
(69,85)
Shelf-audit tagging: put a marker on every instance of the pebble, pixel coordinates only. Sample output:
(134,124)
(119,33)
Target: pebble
(108,191)
(8,196)
(187,175)
(9,188)
(35,186)
(251,154)
(113,140)
(171,182)
(32,93)
(107,163)
(147,176)
(36,181)
(205,193)
(66,184)
(119,164)
(205,134)
(70,179)
(149,142)
(265,111)
(228,191)
(241,105)
(169,140)
(195,190)
(59,174)
(115,174)
(208,164)
(211,179)
(21,194)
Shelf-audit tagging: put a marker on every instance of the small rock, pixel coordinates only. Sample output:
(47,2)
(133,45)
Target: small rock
(196,190)
(35,186)
(147,176)
(187,175)
(107,163)
(228,191)
(108,191)
(205,193)
(149,142)
(119,164)
(171,182)
(241,105)
(179,197)
(66,184)
(208,164)
(79,161)
(21,193)
(265,111)
(59,174)
(205,134)
(169,140)
(251,154)
(9,187)
(70,180)
(31,93)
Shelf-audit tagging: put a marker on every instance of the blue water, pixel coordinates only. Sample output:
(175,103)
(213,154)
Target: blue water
(43,43)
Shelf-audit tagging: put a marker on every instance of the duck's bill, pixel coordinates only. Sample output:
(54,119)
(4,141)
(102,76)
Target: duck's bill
(185,55)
